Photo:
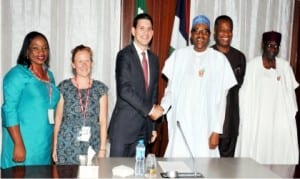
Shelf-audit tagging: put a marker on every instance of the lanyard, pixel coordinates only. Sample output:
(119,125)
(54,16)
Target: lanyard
(49,92)
(84,108)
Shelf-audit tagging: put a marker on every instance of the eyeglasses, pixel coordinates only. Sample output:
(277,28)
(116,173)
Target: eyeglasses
(274,46)
(201,31)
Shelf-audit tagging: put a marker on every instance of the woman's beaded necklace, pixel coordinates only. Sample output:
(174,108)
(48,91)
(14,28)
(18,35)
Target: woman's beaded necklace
(42,77)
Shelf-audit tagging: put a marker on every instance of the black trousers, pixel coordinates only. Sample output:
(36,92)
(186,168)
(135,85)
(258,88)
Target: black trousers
(227,146)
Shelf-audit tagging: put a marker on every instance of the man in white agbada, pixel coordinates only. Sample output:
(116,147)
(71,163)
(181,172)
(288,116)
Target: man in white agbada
(268,107)
(198,82)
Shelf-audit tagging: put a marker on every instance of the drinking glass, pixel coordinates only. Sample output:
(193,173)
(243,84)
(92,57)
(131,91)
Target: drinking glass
(151,165)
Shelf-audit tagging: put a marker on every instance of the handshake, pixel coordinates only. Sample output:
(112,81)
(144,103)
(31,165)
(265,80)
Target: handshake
(156,112)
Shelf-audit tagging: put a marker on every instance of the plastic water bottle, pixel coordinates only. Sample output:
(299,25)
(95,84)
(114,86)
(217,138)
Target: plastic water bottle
(140,159)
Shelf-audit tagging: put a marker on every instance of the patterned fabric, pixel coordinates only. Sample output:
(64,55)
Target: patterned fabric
(68,147)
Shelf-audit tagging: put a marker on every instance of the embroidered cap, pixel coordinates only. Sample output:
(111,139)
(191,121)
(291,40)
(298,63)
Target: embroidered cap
(201,19)
(272,36)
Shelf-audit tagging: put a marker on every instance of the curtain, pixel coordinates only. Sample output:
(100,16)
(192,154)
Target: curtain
(250,19)
(96,23)
(66,24)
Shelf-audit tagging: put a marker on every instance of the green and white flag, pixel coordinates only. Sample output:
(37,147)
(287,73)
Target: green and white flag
(140,6)
(180,32)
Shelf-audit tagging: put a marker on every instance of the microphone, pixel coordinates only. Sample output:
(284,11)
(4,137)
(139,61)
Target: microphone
(185,141)
(176,174)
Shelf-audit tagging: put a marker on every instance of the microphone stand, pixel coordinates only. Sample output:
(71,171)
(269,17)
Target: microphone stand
(184,139)
(195,174)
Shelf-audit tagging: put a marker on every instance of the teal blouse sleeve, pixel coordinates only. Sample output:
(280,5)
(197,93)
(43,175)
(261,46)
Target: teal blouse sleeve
(13,84)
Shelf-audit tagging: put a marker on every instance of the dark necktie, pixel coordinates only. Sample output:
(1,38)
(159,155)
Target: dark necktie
(145,69)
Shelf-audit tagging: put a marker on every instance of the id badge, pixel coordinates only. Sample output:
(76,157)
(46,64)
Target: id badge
(51,116)
(84,134)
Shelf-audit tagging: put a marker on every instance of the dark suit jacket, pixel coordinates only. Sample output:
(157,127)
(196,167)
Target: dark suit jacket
(237,61)
(129,118)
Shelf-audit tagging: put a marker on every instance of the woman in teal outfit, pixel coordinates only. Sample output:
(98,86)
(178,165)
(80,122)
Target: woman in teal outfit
(30,96)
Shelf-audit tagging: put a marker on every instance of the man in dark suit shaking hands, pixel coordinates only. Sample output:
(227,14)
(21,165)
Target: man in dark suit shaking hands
(137,73)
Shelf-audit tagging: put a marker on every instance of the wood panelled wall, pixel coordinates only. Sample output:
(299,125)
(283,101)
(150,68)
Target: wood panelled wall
(162,12)
(295,60)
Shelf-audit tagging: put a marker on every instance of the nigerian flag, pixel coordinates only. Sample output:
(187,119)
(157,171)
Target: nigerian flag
(180,32)
(140,6)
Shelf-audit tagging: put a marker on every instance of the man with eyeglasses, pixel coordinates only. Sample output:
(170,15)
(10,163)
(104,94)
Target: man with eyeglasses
(198,81)
(268,107)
